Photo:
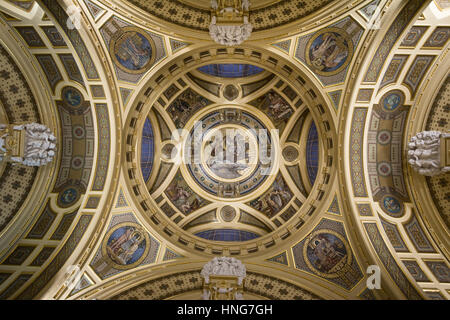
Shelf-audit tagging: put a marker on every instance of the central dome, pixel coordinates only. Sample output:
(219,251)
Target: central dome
(229,153)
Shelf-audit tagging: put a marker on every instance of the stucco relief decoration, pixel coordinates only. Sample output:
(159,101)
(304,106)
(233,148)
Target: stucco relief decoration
(223,279)
(424,153)
(230,25)
(32,144)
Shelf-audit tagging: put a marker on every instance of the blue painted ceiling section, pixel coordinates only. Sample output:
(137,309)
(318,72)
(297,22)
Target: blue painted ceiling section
(229,70)
(228,235)
(147,150)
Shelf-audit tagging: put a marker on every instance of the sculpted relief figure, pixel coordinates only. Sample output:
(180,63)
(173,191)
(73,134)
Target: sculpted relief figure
(230,35)
(224,266)
(39,144)
(424,153)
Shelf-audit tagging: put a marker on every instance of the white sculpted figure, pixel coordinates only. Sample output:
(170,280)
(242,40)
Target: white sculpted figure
(39,148)
(223,266)
(424,153)
(230,35)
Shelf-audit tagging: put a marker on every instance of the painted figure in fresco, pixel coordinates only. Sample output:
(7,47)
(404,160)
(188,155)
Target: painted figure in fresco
(279,109)
(325,252)
(72,97)
(226,164)
(123,248)
(133,50)
(391,205)
(187,104)
(391,102)
(182,196)
(329,51)
(274,200)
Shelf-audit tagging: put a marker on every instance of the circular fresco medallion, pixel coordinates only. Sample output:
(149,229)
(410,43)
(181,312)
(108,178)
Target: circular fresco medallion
(132,50)
(126,245)
(228,213)
(228,163)
(392,100)
(77,163)
(392,206)
(290,154)
(326,252)
(384,137)
(72,97)
(68,196)
(78,132)
(329,51)
(230,92)
(384,169)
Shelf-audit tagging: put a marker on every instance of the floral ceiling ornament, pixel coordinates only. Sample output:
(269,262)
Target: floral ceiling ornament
(428,153)
(229,24)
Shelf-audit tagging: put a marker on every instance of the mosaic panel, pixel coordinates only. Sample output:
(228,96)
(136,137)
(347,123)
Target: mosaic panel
(416,72)
(71,67)
(125,246)
(104,146)
(390,263)
(74,36)
(14,286)
(133,50)
(50,69)
(42,257)
(394,32)
(418,236)
(413,36)
(19,255)
(54,36)
(384,143)
(43,224)
(393,71)
(60,259)
(438,38)
(176,45)
(283,45)
(415,270)
(280,258)
(365,210)
(171,255)
(440,270)
(31,37)
(327,253)
(329,51)
(356,152)
(394,236)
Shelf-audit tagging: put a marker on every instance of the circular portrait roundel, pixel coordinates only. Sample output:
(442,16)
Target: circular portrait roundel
(329,51)
(126,245)
(132,50)
(68,196)
(72,97)
(326,252)
(392,100)
(392,206)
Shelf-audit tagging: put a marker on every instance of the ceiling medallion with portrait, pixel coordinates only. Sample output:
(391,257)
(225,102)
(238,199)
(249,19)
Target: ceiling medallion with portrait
(229,169)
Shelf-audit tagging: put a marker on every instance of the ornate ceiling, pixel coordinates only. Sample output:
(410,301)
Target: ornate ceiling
(126,90)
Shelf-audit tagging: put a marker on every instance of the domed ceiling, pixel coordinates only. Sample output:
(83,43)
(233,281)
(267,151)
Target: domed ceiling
(286,152)
(232,155)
